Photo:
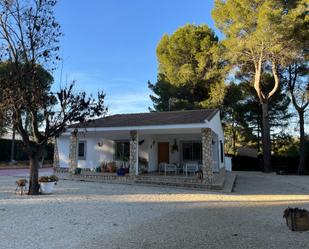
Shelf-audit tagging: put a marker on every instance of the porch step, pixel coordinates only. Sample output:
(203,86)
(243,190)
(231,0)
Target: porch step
(180,182)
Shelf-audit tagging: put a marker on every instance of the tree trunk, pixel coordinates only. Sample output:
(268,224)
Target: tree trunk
(258,134)
(266,138)
(302,155)
(234,141)
(34,174)
(13,146)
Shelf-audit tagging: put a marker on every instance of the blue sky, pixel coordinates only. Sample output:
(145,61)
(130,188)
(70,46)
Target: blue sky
(110,45)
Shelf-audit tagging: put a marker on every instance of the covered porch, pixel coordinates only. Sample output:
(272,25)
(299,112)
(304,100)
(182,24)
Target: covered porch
(181,154)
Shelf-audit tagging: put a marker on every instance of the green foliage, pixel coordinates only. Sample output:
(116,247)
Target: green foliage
(235,129)
(189,56)
(191,70)
(259,36)
(278,108)
(3,124)
(285,145)
(20,151)
(266,27)
(170,97)
(51,178)
(241,114)
(29,36)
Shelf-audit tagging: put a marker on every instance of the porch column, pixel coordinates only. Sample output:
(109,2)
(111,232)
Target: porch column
(207,155)
(56,155)
(73,152)
(134,153)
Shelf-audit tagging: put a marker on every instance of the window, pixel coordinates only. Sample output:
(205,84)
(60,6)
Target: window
(82,150)
(221,150)
(122,150)
(192,151)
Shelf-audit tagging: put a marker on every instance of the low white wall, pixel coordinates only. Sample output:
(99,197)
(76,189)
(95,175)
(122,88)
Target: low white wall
(63,143)
(228,163)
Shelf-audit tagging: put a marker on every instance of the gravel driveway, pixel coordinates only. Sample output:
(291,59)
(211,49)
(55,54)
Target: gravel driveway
(96,215)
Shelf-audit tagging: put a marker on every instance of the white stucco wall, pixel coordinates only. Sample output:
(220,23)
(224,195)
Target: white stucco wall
(152,154)
(106,151)
(216,126)
(63,143)
(148,149)
(92,153)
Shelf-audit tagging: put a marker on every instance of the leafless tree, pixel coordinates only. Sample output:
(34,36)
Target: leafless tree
(29,38)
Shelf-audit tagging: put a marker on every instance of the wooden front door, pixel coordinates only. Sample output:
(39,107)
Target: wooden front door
(163,153)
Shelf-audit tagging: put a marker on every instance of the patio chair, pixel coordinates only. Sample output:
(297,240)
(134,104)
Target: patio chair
(191,168)
(162,167)
(170,168)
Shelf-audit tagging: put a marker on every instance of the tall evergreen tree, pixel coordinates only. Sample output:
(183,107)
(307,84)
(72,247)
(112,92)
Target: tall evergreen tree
(242,114)
(297,83)
(190,69)
(257,35)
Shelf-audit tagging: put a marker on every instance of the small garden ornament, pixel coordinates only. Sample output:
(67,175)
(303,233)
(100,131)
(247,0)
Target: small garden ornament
(21,185)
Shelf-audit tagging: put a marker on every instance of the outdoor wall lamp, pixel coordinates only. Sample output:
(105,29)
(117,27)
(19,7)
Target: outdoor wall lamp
(153,143)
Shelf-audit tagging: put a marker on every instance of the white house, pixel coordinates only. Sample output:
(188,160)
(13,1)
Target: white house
(159,138)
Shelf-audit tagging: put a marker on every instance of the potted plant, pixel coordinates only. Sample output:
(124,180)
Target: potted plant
(103,167)
(77,171)
(121,172)
(175,146)
(123,169)
(143,162)
(47,184)
(111,167)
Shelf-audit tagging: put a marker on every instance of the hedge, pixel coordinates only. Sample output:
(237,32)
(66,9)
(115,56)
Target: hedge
(20,153)
(280,164)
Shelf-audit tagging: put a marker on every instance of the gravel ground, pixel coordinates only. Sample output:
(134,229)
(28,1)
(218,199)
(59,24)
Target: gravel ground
(85,215)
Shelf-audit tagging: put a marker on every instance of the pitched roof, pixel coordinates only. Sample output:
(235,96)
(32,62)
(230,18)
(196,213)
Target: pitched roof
(152,118)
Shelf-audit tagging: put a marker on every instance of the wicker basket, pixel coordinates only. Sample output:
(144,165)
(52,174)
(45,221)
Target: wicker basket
(297,219)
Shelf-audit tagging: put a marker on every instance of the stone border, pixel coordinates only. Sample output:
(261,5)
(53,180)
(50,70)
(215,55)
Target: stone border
(220,180)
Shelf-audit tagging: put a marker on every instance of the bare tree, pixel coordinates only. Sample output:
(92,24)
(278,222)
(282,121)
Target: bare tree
(29,37)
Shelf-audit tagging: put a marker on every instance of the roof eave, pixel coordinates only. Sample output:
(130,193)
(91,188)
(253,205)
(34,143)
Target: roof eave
(143,128)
